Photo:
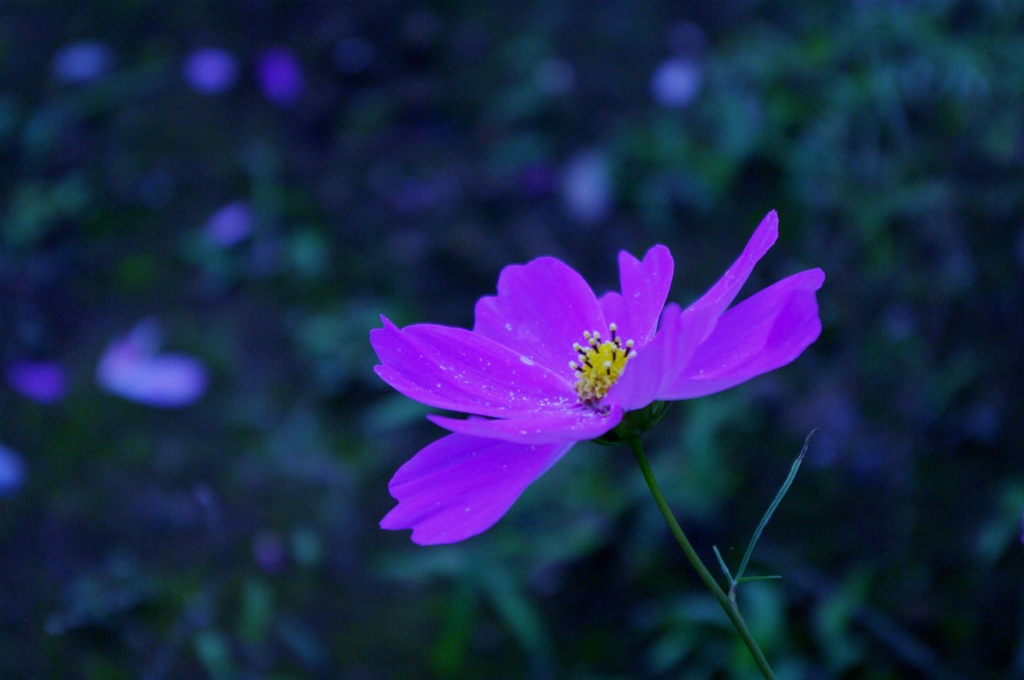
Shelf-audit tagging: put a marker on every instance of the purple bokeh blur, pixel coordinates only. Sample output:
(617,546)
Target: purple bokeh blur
(81,62)
(132,368)
(586,186)
(231,224)
(280,75)
(42,381)
(676,82)
(12,471)
(211,70)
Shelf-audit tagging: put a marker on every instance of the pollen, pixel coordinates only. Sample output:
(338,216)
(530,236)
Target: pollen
(600,364)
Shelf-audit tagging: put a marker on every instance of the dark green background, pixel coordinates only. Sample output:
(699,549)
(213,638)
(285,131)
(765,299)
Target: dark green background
(237,538)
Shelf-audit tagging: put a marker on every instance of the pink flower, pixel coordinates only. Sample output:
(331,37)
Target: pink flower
(549,364)
(132,368)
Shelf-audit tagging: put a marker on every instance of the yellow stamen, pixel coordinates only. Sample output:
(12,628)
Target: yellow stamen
(601,364)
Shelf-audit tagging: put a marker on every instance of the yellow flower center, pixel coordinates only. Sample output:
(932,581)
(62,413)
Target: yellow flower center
(601,364)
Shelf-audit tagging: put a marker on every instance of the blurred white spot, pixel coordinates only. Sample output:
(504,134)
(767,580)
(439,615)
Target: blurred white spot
(586,186)
(231,224)
(211,70)
(676,82)
(132,368)
(12,471)
(81,62)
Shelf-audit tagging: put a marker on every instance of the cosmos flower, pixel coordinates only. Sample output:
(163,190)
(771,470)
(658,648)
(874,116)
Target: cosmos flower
(549,364)
(132,367)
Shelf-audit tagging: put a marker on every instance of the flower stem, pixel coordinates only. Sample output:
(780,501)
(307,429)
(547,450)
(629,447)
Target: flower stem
(728,605)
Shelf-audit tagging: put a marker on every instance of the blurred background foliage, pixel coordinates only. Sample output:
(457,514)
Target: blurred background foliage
(260,180)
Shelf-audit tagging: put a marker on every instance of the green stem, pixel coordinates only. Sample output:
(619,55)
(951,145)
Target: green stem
(728,605)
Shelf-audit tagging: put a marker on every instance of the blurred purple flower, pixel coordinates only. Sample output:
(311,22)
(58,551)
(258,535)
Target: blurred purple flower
(211,70)
(131,367)
(81,62)
(230,224)
(43,381)
(676,82)
(12,471)
(586,187)
(280,74)
(549,364)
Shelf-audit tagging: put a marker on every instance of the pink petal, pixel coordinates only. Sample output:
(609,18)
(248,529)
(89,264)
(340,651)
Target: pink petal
(645,288)
(721,295)
(660,369)
(576,425)
(457,369)
(764,332)
(541,309)
(460,486)
(614,309)
(662,359)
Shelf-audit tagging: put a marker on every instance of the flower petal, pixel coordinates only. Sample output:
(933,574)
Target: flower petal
(644,291)
(762,333)
(460,486)
(577,424)
(457,369)
(663,358)
(725,290)
(540,310)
